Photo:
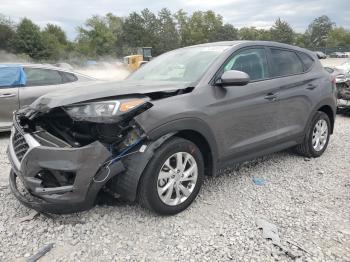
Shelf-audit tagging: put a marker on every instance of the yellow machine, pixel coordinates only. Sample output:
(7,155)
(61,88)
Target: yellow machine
(133,62)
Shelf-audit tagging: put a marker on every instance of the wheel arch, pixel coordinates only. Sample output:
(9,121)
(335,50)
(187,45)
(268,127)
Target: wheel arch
(196,131)
(329,112)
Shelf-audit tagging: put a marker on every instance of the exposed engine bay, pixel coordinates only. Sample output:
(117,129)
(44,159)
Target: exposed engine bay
(78,133)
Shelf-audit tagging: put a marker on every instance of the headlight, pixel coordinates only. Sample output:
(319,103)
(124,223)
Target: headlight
(102,109)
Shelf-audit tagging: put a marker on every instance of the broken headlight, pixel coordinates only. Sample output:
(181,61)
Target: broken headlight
(102,109)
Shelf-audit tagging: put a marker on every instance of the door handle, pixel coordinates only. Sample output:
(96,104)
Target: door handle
(7,95)
(271,96)
(311,86)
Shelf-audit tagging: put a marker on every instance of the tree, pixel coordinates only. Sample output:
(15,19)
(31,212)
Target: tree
(204,27)
(227,32)
(338,37)
(252,33)
(7,33)
(98,37)
(28,39)
(56,31)
(169,38)
(134,31)
(282,32)
(182,21)
(318,31)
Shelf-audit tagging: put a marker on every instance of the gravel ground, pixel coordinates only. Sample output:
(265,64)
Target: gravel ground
(308,200)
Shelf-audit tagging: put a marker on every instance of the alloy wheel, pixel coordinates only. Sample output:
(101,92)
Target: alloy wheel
(177,178)
(320,135)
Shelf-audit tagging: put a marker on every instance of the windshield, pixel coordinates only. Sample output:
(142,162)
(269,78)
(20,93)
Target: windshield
(182,65)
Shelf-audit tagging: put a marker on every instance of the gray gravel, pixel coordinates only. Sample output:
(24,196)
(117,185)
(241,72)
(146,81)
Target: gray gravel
(308,200)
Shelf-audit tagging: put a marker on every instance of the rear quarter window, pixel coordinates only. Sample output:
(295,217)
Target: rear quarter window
(285,63)
(308,62)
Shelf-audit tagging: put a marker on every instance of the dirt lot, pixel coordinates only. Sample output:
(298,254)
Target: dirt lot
(307,199)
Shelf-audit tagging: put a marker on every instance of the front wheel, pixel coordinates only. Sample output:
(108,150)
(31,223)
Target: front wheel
(317,137)
(173,177)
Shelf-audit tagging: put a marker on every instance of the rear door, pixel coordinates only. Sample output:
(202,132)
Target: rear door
(39,82)
(296,85)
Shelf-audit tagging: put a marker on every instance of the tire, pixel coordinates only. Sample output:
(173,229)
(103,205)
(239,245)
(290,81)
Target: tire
(307,148)
(151,184)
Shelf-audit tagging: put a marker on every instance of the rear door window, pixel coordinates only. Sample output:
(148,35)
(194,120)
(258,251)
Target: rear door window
(42,77)
(307,61)
(285,63)
(251,61)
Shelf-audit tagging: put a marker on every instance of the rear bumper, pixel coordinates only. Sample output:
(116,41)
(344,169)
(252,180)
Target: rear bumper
(84,165)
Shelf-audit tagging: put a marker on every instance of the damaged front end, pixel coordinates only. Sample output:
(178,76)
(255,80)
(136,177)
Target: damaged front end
(62,157)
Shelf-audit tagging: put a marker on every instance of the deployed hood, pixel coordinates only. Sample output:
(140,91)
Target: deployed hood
(92,91)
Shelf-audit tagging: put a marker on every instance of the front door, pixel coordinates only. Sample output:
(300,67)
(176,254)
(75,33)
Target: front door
(8,103)
(246,116)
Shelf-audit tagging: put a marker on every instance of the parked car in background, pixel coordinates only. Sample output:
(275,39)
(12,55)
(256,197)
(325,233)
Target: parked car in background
(320,55)
(154,136)
(342,80)
(21,84)
(338,55)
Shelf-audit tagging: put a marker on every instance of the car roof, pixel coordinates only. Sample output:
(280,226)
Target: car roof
(45,66)
(252,42)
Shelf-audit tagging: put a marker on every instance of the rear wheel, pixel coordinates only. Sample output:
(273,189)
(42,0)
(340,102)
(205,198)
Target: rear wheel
(173,178)
(317,137)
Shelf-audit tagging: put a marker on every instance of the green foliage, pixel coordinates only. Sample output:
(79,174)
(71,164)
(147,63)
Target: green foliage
(7,33)
(99,35)
(28,39)
(338,37)
(111,35)
(56,31)
(252,33)
(318,31)
(282,32)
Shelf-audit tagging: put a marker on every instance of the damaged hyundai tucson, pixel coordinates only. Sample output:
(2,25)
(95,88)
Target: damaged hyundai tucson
(154,136)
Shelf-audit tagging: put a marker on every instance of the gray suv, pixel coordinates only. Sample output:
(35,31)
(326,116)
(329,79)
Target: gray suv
(152,137)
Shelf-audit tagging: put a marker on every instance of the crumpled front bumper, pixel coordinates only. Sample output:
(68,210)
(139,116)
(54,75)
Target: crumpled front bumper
(85,164)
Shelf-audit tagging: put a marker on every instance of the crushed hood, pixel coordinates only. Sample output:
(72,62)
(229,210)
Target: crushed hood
(97,90)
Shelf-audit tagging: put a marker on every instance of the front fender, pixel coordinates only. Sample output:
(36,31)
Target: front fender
(187,123)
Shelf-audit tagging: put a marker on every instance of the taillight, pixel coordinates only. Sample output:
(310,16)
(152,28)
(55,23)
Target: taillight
(333,79)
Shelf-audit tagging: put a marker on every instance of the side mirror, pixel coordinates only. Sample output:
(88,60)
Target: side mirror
(234,77)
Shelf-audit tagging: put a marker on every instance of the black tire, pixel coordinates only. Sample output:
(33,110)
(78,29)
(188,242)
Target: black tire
(147,192)
(306,148)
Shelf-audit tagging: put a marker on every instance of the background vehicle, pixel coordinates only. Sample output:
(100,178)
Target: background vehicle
(320,55)
(133,62)
(186,114)
(338,55)
(37,80)
(342,80)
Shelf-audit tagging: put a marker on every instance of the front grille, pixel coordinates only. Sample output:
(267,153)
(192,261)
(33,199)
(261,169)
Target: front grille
(20,145)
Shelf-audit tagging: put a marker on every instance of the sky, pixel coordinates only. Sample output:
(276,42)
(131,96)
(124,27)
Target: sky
(259,13)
